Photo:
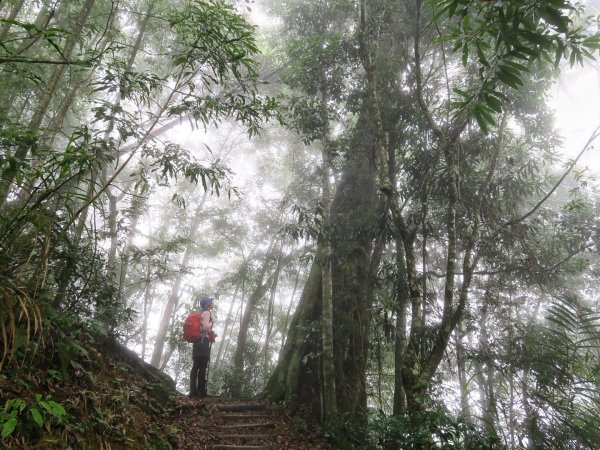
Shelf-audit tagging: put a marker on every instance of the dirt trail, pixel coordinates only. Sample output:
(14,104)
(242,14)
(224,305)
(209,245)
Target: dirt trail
(240,424)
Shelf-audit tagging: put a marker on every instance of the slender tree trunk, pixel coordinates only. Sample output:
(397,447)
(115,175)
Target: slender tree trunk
(112,231)
(228,341)
(270,312)
(465,406)
(148,296)
(535,437)
(414,380)
(14,12)
(59,70)
(485,378)
(402,298)
(58,119)
(9,173)
(148,300)
(137,209)
(228,322)
(11,104)
(176,287)
(238,314)
(41,23)
(257,294)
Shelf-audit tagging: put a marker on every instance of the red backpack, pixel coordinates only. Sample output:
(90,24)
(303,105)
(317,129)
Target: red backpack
(192,327)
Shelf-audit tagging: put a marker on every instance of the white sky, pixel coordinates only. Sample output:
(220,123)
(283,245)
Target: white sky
(576,100)
(577,110)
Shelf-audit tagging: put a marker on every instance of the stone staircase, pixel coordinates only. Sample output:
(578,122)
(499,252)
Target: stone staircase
(244,425)
(240,424)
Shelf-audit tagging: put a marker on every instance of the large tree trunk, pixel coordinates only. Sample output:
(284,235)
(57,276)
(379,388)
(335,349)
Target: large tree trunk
(295,379)
(288,314)
(329,406)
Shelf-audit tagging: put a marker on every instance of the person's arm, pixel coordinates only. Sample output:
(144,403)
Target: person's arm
(207,322)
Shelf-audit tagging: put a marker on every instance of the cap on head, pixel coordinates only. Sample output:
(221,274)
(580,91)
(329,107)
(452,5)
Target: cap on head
(205,302)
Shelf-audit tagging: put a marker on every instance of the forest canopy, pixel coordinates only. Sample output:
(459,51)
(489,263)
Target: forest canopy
(398,238)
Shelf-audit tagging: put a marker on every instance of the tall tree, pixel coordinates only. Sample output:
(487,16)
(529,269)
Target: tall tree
(207,73)
(448,128)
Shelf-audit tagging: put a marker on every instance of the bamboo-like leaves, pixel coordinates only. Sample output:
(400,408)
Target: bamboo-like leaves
(566,367)
(214,51)
(18,311)
(507,38)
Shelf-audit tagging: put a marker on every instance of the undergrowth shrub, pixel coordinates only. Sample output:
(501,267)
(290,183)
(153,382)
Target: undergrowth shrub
(30,415)
(99,399)
(381,432)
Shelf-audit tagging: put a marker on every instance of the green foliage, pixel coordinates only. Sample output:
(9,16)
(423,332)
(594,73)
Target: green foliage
(158,439)
(565,363)
(172,160)
(51,36)
(54,169)
(27,230)
(507,41)
(389,432)
(140,87)
(26,416)
(215,48)
(243,383)
(309,224)
(346,433)
(446,432)
(320,60)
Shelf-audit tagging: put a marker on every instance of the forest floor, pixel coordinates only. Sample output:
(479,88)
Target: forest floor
(86,395)
(214,423)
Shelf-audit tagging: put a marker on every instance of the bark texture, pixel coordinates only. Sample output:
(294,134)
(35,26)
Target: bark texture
(295,380)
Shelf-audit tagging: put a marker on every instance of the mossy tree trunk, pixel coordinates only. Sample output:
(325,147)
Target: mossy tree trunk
(295,380)
(329,406)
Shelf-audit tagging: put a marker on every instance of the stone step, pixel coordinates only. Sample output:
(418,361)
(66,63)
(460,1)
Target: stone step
(241,447)
(237,407)
(231,399)
(245,437)
(232,417)
(245,426)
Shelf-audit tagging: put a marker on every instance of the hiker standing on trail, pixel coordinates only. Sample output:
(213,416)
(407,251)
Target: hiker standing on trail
(201,350)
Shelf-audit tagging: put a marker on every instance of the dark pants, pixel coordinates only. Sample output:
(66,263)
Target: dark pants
(198,376)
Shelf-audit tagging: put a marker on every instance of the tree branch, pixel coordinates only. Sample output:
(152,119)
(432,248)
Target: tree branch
(595,134)
(419,77)
(17,59)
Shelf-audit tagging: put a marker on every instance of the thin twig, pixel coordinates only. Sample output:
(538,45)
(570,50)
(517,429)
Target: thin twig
(595,134)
